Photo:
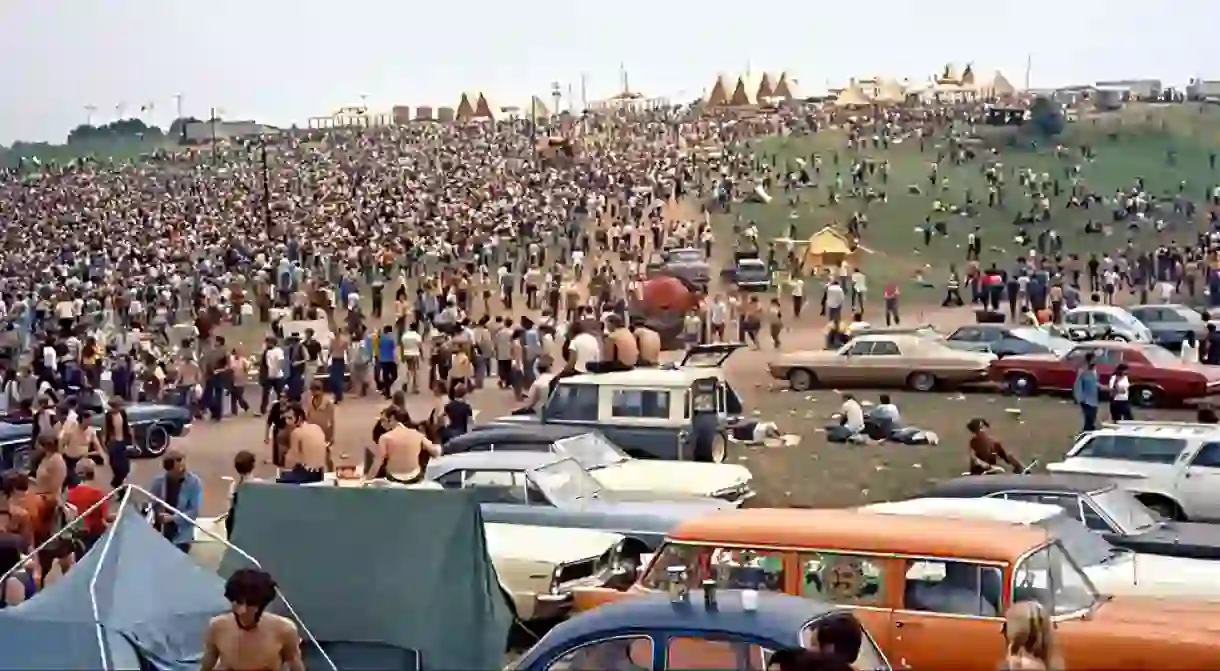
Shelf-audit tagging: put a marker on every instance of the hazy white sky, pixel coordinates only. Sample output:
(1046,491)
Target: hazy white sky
(279,61)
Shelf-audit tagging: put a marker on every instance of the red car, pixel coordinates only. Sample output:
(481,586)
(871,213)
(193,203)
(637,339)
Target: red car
(1157,376)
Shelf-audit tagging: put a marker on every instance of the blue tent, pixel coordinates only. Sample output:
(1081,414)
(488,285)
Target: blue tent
(152,601)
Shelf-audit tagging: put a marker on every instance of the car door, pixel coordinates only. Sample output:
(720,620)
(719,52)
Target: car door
(1199,484)
(951,616)
(844,367)
(1062,374)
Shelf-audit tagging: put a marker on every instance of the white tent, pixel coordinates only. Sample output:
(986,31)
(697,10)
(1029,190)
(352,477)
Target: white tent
(718,94)
(745,92)
(890,91)
(852,96)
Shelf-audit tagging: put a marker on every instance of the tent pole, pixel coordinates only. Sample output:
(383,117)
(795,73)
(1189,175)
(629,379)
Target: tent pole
(97,571)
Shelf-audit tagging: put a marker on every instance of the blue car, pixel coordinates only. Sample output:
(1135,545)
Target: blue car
(154,425)
(704,630)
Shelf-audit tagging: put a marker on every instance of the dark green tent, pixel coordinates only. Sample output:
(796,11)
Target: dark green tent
(385,571)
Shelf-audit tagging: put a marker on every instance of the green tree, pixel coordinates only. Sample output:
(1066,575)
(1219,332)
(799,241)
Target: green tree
(1045,117)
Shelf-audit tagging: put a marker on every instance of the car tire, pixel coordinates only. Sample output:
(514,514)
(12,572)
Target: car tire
(720,449)
(1020,384)
(156,441)
(921,381)
(801,379)
(1145,397)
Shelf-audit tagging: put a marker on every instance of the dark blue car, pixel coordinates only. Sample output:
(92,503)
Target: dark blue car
(658,632)
(154,425)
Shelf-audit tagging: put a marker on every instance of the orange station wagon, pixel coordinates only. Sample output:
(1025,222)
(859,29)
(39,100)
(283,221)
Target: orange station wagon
(932,592)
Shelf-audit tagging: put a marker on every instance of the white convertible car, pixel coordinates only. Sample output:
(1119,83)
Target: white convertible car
(1112,570)
(538,567)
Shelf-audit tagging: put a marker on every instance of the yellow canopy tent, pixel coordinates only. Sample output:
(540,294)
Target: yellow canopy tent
(827,248)
(890,92)
(852,96)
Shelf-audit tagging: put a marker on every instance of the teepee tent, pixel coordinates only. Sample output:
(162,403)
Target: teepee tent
(485,109)
(535,109)
(745,92)
(852,96)
(949,74)
(718,94)
(785,87)
(1000,86)
(890,91)
(967,79)
(466,106)
(766,86)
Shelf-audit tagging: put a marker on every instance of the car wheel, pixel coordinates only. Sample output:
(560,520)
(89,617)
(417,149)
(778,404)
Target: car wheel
(720,449)
(800,379)
(1145,397)
(921,381)
(156,441)
(1164,507)
(1020,384)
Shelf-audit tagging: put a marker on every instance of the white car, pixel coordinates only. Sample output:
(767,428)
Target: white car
(1104,322)
(1171,467)
(1113,571)
(538,567)
(613,468)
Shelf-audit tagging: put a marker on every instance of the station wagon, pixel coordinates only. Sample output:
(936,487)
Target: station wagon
(917,582)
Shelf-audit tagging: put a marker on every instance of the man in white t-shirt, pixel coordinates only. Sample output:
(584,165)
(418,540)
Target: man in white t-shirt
(412,352)
(271,372)
(585,348)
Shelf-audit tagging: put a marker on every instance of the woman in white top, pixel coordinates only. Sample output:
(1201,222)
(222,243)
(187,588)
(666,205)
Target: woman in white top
(1190,349)
(1120,394)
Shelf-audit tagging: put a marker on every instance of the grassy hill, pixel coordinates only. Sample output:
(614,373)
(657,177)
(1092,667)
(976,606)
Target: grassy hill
(1165,145)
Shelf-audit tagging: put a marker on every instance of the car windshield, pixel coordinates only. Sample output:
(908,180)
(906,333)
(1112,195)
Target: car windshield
(1050,577)
(1084,546)
(1039,337)
(591,450)
(565,480)
(1122,507)
(686,256)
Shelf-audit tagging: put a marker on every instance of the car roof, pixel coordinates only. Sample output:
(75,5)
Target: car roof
(9,431)
(535,432)
(1156,430)
(998,510)
(662,378)
(778,617)
(1111,309)
(1175,306)
(970,486)
(854,530)
(510,460)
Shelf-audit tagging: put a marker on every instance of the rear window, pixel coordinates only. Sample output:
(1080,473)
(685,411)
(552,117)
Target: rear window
(1145,449)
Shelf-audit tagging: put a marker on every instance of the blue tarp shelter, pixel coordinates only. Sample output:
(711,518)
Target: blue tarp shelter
(153,603)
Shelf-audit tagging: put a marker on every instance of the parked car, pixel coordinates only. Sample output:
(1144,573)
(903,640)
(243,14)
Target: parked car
(155,425)
(1002,340)
(1104,322)
(748,273)
(536,488)
(1169,323)
(922,330)
(538,567)
(614,469)
(882,361)
(1157,376)
(1171,467)
(720,631)
(648,412)
(1106,509)
(688,263)
(1113,570)
(901,576)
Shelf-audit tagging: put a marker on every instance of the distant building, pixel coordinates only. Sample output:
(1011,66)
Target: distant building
(1203,89)
(1140,89)
(206,131)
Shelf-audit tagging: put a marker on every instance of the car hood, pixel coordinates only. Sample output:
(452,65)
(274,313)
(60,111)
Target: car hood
(671,478)
(1038,358)
(547,544)
(1152,614)
(1111,468)
(662,514)
(1177,539)
(1157,576)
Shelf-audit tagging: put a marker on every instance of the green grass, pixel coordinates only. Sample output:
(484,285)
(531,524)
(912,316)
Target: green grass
(1131,143)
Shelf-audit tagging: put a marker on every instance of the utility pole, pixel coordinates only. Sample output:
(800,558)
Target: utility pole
(584,92)
(1029,64)
(89,111)
(178,116)
(570,97)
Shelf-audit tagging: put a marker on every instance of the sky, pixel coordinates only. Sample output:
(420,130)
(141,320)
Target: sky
(281,62)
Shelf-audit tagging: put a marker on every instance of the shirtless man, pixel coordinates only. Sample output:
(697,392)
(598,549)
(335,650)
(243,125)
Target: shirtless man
(78,440)
(251,639)
(321,410)
(396,455)
(648,343)
(308,450)
(621,352)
